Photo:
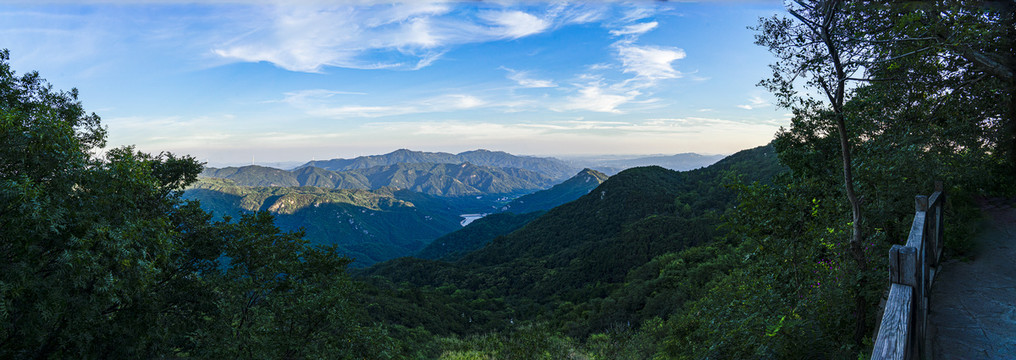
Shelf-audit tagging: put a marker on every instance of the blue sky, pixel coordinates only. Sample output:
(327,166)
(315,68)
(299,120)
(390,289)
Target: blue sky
(292,81)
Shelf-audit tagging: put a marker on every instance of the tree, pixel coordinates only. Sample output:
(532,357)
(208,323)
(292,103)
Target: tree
(959,55)
(910,92)
(816,48)
(100,257)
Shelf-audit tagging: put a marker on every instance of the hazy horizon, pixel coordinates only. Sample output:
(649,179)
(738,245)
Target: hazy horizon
(284,82)
(284,164)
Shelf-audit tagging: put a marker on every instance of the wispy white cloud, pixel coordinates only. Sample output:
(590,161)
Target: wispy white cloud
(754,102)
(596,97)
(524,80)
(648,62)
(636,13)
(515,24)
(323,103)
(403,35)
(635,29)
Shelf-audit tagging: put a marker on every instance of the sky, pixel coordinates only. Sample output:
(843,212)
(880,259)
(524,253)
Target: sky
(230,82)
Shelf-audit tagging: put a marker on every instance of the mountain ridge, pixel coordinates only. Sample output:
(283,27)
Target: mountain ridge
(441,179)
(551,167)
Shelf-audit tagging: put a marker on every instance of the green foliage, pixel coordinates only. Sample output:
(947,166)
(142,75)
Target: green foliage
(478,233)
(279,298)
(528,341)
(102,259)
(935,110)
(605,263)
(791,295)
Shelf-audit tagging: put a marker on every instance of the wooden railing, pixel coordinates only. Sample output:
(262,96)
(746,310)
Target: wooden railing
(902,333)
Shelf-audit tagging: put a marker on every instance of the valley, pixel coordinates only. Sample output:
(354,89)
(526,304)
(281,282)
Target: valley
(118,241)
(382,207)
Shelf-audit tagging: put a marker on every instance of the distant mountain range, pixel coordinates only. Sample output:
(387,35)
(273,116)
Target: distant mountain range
(381,207)
(614,164)
(441,179)
(385,222)
(553,168)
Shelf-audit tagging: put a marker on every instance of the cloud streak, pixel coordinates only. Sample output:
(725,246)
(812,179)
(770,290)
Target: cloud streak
(754,102)
(650,63)
(596,97)
(635,29)
(524,80)
(409,35)
(324,103)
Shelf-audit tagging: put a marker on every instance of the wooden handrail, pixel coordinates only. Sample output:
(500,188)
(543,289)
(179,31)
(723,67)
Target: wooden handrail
(912,268)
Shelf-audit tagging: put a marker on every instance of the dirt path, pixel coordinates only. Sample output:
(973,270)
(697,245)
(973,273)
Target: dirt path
(973,304)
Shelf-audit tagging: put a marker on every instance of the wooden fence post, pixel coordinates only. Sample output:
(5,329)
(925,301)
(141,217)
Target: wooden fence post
(903,329)
(921,202)
(903,265)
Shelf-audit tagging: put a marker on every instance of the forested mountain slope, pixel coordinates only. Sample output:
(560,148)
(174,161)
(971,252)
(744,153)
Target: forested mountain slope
(583,250)
(478,233)
(573,188)
(515,214)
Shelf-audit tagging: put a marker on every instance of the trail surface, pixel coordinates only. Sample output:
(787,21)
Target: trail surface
(973,303)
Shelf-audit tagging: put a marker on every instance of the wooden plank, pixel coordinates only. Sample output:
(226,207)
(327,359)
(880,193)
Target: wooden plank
(916,237)
(894,335)
(931,235)
(939,228)
(902,331)
(903,265)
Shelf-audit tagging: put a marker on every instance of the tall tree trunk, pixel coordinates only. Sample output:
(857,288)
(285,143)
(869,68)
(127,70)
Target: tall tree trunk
(856,234)
(837,93)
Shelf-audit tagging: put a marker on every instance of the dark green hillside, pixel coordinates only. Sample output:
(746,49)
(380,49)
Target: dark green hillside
(453,246)
(584,250)
(549,167)
(365,225)
(573,188)
(628,196)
